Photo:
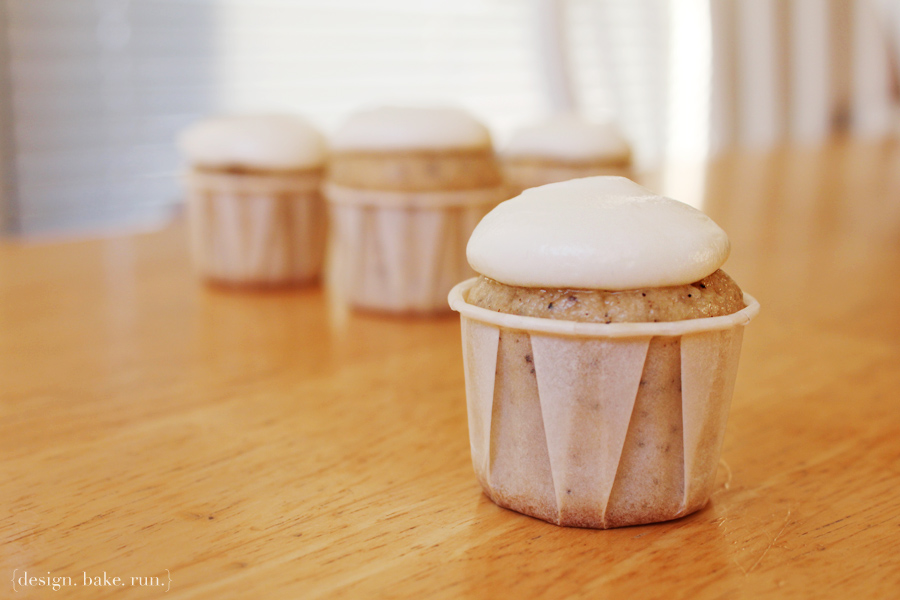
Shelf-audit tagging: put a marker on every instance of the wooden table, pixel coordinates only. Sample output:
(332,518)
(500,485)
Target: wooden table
(266,445)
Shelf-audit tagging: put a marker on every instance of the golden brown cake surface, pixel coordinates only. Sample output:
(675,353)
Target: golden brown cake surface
(238,169)
(712,296)
(423,170)
(544,162)
(524,173)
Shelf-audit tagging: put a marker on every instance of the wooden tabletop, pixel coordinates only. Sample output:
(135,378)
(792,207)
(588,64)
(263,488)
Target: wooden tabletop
(268,445)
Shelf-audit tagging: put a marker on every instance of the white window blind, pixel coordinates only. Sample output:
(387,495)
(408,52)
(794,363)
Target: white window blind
(93,92)
(327,58)
(100,88)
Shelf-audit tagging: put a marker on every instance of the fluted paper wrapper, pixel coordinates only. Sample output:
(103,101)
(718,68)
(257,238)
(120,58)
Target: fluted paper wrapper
(598,425)
(402,251)
(249,229)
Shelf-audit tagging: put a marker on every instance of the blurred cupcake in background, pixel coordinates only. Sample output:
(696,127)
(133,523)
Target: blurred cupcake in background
(255,210)
(562,148)
(406,187)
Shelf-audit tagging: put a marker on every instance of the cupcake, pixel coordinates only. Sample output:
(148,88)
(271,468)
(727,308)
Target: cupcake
(563,148)
(406,187)
(255,211)
(600,344)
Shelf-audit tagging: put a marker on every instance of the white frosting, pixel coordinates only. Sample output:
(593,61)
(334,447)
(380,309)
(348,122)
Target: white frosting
(396,128)
(264,142)
(604,233)
(569,138)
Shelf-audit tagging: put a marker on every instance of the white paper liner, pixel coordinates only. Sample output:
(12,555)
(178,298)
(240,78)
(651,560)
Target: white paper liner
(555,430)
(404,258)
(709,364)
(584,388)
(255,229)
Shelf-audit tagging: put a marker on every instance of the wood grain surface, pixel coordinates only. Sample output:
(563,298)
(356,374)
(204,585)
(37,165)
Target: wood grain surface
(270,445)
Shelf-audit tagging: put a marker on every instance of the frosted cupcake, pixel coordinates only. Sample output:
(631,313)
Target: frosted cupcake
(256,214)
(406,187)
(563,148)
(601,344)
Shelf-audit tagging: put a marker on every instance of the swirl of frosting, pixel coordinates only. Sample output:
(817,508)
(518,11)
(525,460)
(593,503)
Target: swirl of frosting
(392,128)
(604,233)
(569,138)
(271,142)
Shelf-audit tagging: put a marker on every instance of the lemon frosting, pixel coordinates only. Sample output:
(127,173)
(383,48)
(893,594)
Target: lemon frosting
(569,138)
(392,128)
(604,233)
(277,142)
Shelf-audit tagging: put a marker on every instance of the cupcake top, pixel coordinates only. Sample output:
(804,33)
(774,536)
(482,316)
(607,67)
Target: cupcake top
(392,128)
(270,142)
(570,138)
(603,233)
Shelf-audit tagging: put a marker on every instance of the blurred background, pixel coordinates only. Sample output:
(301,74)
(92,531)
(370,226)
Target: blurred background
(93,92)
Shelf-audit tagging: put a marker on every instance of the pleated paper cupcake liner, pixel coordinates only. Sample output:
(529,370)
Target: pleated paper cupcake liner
(401,252)
(256,230)
(593,424)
